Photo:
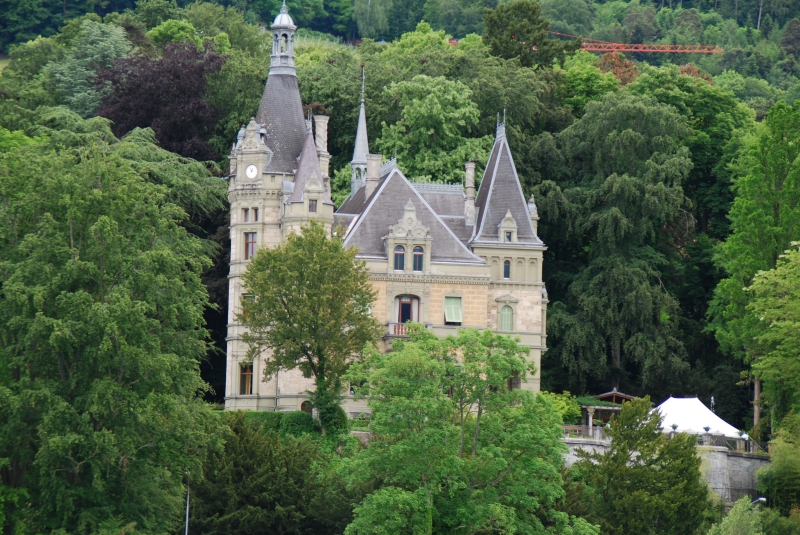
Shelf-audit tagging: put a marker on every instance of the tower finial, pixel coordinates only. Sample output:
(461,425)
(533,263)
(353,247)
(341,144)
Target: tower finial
(284,9)
(501,127)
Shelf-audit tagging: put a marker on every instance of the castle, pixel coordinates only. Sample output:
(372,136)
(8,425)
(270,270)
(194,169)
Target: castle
(437,254)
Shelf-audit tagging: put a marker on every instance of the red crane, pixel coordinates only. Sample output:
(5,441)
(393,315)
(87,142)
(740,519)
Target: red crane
(595,45)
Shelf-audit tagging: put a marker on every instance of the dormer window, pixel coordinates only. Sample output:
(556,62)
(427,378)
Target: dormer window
(312,205)
(508,237)
(418,258)
(399,258)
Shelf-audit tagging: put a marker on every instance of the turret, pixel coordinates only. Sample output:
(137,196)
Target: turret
(282,58)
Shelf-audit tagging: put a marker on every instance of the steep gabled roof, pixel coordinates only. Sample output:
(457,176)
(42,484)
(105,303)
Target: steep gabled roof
(307,169)
(500,192)
(385,207)
(281,115)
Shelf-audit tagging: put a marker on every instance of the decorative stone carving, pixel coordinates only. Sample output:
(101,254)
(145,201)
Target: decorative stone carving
(408,226)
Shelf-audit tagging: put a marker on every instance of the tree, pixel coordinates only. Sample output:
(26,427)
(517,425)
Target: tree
(166,94)
(624,69)
(102,333)
(605,212)
(96,47)
(517,30)
(646,483)
(791,38)
(430,138)
(765,218)
(585,82)
(455,449)
(311,308)
(743,519)
(265,483)
(774,303)
(174,31)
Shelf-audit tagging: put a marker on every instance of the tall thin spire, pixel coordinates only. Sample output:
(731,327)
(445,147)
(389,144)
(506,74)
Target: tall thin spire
(361,149)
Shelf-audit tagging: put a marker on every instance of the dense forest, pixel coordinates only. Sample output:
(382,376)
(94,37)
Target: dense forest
(667,186)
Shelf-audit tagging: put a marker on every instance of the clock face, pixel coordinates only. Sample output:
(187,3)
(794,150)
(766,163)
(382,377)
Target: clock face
(251,171)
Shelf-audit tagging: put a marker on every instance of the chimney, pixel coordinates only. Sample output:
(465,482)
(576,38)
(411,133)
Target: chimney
(469,200)
(373,173)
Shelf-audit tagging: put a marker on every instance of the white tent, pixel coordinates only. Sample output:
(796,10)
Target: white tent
(691,416)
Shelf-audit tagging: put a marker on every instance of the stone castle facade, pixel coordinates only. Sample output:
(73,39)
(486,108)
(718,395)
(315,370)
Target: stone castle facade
(442,255)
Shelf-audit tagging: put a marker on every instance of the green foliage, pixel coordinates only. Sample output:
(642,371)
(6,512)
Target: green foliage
(591,401)
(13,139)
(774,303)
(430,137)
(174,31)
(266,420)
(311,308)
(645,483)
(516,30)
(298,423)
(566,405)
(743,519)
(453,447)
(779,481)
(94,48)
(775,524)
(764,220)
(263,482)
(103,310)
(584,82)
(610,205)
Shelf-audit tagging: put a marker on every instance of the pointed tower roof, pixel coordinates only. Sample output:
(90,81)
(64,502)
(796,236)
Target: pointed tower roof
(362,143)
(307,170)
(500,193)
(281,109)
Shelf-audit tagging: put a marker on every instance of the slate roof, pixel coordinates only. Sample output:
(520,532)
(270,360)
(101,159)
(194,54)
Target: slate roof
(307,168)
(445,199)
(499,192)
(281,114)
(385,207)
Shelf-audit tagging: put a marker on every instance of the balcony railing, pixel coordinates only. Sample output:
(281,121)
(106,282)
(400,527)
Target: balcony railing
(596,432)
(397,329)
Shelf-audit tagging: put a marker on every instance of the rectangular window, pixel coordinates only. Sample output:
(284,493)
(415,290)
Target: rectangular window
(249,245)
(255,214)
(245,215)
(246,380)
(508,237)
(452,311)
(312,205)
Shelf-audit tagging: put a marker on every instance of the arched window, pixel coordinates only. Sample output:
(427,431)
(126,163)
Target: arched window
(418,258)
(283,43)
(399,258)
(507,269)
(306,407)
(506,318)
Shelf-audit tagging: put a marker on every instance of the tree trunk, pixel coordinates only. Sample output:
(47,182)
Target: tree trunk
(760,8)
(756,402)
(616,363)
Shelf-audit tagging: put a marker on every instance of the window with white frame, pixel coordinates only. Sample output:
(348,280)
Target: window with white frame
(506,318)
(452,311)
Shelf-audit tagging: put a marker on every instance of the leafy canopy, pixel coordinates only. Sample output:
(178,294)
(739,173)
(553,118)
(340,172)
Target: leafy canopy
(452,446)
(102,333)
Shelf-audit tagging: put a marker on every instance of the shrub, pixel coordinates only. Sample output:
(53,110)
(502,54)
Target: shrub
(298,423)
(335,420)
(269,421)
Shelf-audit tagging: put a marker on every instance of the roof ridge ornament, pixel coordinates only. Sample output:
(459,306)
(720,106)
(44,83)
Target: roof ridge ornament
(501,127)
(363,80)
